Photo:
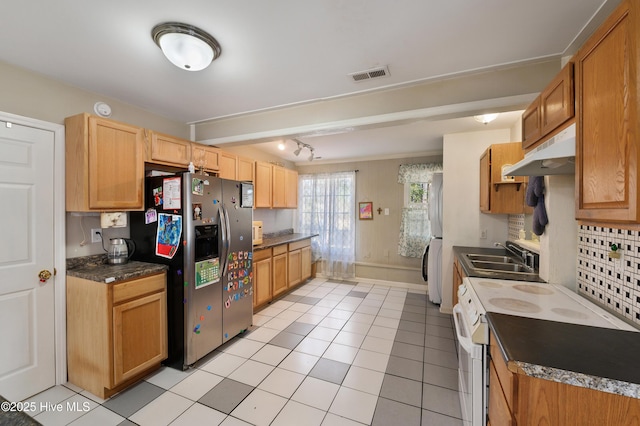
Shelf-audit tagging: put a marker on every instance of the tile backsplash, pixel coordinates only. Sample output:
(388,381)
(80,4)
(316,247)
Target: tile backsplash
(516,223)
(613,283)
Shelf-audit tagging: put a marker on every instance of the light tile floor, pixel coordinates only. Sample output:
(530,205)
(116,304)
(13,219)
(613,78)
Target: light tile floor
(330,353)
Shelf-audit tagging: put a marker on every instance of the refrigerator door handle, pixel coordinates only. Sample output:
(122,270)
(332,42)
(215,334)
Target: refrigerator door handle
(225,240)
(228,225)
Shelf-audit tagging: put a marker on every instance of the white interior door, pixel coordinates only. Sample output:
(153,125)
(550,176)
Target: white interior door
(27,345)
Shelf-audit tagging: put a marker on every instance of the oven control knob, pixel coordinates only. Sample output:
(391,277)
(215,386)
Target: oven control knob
(474,317)
(462,289)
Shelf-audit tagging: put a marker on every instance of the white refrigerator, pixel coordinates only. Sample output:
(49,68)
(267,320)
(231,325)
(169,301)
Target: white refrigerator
(432,258)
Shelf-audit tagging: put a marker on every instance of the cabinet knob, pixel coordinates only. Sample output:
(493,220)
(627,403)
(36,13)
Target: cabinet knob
(44,275)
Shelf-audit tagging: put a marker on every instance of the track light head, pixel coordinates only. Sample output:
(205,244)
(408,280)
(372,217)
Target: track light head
(311,155)
(297,151)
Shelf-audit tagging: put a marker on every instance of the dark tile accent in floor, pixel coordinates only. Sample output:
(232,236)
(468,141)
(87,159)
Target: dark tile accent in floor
(410,337)
(390,412)
(354,293)
(226,395)
(330,370)
(291,298)
(402,390)
(284,339)
(445,401)
(127,422)
(309,300)
(441,358)
(300,328)
(415,327)
(405,350)
(412,316)
(131,400)
(440,376)
(407,368)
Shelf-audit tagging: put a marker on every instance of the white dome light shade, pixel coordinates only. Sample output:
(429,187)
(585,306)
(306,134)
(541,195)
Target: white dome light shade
(186,46)
(485,118)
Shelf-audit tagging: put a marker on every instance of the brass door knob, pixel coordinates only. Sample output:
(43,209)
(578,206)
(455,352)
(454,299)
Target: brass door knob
(44,275)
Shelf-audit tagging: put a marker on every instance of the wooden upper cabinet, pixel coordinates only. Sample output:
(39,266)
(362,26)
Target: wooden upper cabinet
(278,200)
(205,157)
(554,107)
(531,124)
(262,187)
(557,101)
(104,164)
(498,195)
(165,149)
(228,166)
(291,188)
(607,129)
(245,169)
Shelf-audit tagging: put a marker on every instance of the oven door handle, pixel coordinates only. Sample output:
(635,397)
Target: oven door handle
(465,341)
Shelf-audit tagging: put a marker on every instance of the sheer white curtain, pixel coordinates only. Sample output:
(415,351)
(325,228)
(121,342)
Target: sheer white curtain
(326,206)
(415,229)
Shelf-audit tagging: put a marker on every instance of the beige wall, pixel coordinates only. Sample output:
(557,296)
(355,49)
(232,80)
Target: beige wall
(32,95)
(377,240)
(463,221)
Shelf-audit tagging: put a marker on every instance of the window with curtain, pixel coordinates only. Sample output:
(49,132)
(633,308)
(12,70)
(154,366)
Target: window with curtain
(415,231)
(326,206)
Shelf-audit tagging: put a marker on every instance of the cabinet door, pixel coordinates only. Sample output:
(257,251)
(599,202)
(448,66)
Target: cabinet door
(245,169)
(499,411)
(228,166)
(139,335)
(116,165)
(295,272)
(557,100)
(607,153)
(531,126)
(291,188)
(262,189)
(166,149)
(485,181)
(205,157)
(305,263)
(261,282)
(279,282)
(279,188)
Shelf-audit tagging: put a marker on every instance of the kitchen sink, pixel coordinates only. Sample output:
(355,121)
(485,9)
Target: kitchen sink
(501,266)
(490,258)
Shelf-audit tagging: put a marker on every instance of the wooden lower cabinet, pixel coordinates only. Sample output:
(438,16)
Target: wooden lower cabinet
(515,398)
(262,273)
(116,333)
(279,269)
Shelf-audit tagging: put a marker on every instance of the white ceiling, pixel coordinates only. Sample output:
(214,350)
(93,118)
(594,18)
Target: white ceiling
(286,52)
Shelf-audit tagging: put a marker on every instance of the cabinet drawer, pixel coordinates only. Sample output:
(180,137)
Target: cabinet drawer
(299,244)
(138,287)
(259,255)
(281,249)
(499,411)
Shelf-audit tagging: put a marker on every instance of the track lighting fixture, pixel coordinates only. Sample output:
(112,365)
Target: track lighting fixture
(301,146)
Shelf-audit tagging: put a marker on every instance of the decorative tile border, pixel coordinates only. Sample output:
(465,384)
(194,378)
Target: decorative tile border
(516,223)
(612,283)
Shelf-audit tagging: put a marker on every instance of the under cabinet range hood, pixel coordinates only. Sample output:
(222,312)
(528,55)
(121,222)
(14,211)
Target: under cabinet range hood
(556,156)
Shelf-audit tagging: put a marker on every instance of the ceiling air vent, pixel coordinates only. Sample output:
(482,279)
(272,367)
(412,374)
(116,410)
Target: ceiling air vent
(369,74)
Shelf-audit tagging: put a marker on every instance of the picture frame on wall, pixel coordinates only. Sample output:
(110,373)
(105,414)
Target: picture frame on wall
(365,210)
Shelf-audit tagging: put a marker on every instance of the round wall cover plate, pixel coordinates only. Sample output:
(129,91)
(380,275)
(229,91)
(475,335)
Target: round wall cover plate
(102,109)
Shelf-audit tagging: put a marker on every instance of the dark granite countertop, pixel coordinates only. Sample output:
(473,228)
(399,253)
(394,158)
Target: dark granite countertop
(592,357)
(95,268)
(460,251)
(282,239)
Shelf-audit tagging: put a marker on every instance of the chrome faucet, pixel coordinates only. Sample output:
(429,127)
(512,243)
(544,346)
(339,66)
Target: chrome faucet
(527,258)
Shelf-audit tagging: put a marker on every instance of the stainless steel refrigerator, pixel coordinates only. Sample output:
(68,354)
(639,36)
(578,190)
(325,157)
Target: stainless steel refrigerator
(200,227)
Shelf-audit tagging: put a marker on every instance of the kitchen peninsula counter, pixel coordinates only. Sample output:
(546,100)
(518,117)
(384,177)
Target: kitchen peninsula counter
(96,268)
(596,358)
(279,239)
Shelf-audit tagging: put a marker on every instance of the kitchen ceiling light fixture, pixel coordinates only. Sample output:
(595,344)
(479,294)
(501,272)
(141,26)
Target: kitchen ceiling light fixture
(281,146)
(485,118)
(186,46)
(301,146)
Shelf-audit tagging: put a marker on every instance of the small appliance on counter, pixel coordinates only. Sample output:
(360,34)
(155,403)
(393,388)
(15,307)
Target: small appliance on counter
(257,232)
(200,226)
(120,251)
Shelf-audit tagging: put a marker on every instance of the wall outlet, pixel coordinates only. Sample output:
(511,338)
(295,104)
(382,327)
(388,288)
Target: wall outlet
(96,235)
(483,234)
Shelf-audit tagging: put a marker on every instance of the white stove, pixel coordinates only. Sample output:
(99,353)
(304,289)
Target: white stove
(526,299)
(477,296)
